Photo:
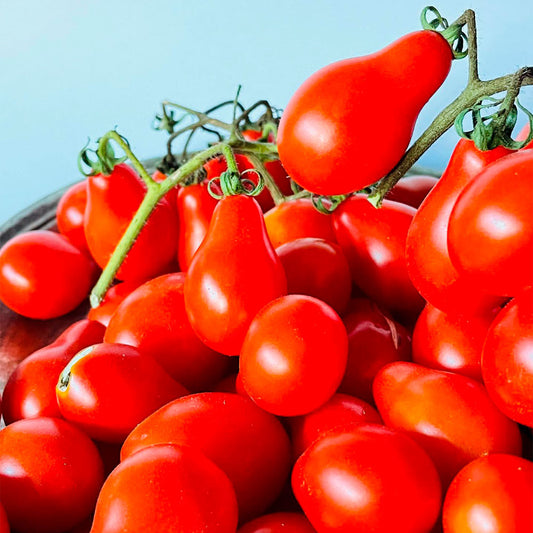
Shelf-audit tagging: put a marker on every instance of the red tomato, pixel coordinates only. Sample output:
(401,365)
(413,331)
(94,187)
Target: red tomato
(70,214)
(166,488)
(412,190)
(31,389)
(492,494)
(450,415)
(247,443)
(367,478)
(112,202)
(4,524)
(321,141)
(449,342)
(339,410)
(107,389)
(43,275)
(318,268)
(50,475)
(490,233)
(373,241)
(195,210)
(296,219)
(233,274)
(428,260)
(294,355)
(507,360)
(374,339)
(153,319)
(278,523)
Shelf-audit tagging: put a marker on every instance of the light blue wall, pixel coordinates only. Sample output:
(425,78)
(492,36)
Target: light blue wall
(73,69)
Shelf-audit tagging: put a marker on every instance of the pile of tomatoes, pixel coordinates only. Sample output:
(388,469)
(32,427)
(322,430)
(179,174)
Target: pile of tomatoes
(266,368)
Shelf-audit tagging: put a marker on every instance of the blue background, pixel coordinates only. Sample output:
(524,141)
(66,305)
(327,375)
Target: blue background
(72,70)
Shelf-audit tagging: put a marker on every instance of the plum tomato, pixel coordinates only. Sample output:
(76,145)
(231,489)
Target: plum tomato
(70,214)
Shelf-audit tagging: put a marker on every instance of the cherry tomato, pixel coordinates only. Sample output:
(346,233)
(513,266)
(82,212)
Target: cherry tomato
(233,274)
(450,415)
(247,443)
(507,363)
(50,475)
(31,388)
(367,478)
(43,275)
(318,268)
(428,260)
(411,190)
(278,523)
(492,494)
(107,389)
(296,219)
(490,233)
(166,488)
(111,204)
(321,140)
(70,214)
(294,355)
(373,241)
(153,319)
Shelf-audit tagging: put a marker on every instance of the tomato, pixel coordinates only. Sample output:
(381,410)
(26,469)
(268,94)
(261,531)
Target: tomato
(412,190)
(43,275)
(339,410)
(367,478)
(322,140)
(278,523)
(107,389)
(490,233)
(449,342)
(166,488)
(318,268)
(112,202)
(296,219)
(247,443)
(373,241)
(31,388)
(50,475)
(507,360)
(294,355)
(428,260)
(492,494)
(153,319)
(233,274)
(195,210)
(374,339)
(70,214)
(450,415)
(4,524)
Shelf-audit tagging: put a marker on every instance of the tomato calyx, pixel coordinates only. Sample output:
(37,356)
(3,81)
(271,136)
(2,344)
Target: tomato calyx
(105,160)
(231,183)
(453,33)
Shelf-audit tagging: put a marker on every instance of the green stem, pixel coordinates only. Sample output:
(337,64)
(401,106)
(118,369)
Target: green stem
(270,184)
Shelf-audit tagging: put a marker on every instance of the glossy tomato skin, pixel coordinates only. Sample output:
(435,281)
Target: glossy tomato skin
(450,415)
(374,340)
(492,494)
(411,190)
(282,522)
(320,134)
(107,389)
(428,259)
(31,388)
(247,443)
(43,275)
(153,319)
(490,233)
(367,478)
(507,364)
(50,475)
(297,219)
(294,355)
(112,201)
(373,241)
(175,489)
(318,268)
(70,214)
(221,294)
